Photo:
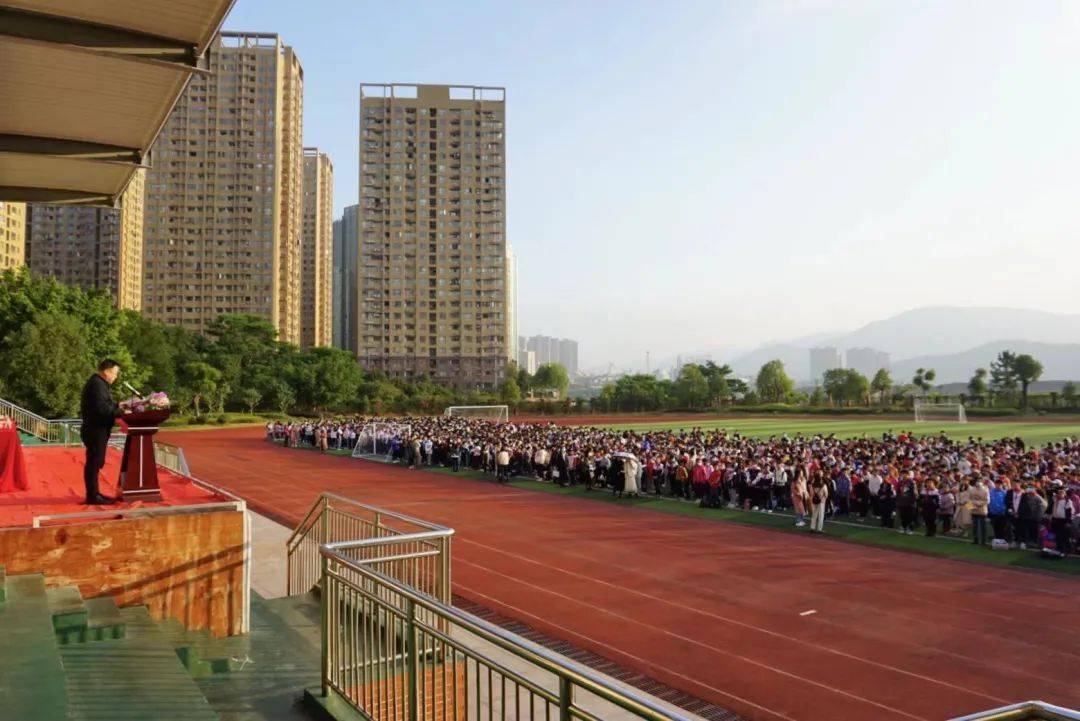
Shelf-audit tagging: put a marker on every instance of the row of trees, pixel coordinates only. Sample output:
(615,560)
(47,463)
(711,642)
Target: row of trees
(711,386)
(52,336)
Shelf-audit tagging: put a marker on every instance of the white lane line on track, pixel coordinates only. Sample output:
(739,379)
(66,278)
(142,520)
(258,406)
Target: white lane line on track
(686,639)
(811,612)
(741,624)
(522,613)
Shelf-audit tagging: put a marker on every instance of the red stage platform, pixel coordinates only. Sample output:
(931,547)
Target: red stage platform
(56,486)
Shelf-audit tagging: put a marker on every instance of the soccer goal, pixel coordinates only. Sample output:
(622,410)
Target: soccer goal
(953,412)
(375,442)
(495,414)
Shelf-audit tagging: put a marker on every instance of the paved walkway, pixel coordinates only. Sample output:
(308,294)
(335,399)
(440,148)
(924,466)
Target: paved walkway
(770,625)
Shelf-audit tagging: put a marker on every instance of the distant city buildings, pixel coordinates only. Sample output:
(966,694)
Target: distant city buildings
(681,360)
(91,247)
(12,235)
(867,361)
(551,350)
(433,280)
(527,360)
(823,359)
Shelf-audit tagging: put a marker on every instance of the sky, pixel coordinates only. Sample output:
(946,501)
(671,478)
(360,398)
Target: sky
(707,176)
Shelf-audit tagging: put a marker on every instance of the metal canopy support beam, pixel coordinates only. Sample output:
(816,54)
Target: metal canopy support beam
(34,145)
(21,194)
(90,37)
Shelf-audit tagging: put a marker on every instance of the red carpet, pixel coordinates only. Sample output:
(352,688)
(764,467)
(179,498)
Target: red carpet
(56,486)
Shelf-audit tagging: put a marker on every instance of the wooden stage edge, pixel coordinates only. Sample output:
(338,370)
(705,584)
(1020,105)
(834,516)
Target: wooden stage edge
(193,566)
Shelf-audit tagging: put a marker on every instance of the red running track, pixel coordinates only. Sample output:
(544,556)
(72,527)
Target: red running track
(712,608)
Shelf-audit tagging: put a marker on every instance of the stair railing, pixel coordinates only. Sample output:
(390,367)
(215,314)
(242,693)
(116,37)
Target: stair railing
(393,652)
(1025,711)
(57,430)
(333,518)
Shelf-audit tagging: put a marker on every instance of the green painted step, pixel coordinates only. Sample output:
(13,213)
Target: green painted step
(137,677)
(280,659)
(32,686)
(3,584)
(76,620)
(202,653)
(67,608)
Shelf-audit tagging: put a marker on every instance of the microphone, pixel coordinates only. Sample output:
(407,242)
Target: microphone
(132,388)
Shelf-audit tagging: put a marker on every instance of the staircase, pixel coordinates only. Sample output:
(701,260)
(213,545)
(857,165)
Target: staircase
(66,657)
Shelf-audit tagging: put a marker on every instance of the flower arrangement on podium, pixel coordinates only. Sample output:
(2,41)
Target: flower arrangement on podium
(156,401)
(151,410)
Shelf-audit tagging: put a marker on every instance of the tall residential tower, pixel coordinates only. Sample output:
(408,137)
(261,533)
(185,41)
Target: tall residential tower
(223,199)
(91,247)
(316,284)
(346,295)
(432,265)
(12,234)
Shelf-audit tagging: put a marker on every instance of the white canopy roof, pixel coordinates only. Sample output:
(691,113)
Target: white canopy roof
(86,86)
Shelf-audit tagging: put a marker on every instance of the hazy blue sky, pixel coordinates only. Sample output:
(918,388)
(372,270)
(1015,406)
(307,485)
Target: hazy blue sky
(712,175)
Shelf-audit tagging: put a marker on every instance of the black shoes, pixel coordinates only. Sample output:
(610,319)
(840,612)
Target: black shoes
(100,500)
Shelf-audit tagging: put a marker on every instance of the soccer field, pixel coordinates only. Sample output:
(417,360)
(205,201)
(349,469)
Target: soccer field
(1031,431)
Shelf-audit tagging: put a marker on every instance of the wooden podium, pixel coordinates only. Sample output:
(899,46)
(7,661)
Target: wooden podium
(138,469)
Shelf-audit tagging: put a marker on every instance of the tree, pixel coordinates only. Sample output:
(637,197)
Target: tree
(977,385)
(832,382)
(817,397)
(328,378)
(773,383)
(717,378)
(202,378)
(1069,394)
(285,397)
(250,397)
(881,384)
(551,376)
(846,385)
(1003,378)
(47,361)
(509,391)
(691,390)
(1027,370)
(924,379)
(640,392)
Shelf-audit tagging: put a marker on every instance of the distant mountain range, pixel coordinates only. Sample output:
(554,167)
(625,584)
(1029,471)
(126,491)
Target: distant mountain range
(952,340)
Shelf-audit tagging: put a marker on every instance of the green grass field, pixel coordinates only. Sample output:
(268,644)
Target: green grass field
(1031,431)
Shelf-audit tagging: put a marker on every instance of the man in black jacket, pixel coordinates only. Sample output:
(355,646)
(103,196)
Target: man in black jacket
(98,412)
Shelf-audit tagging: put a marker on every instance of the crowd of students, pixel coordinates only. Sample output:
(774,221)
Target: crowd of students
(1000,492)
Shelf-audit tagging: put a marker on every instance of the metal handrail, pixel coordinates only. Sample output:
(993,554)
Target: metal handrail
(414,606)
(378,623)
(237,505)
(57,430)
(1024,711)
(334,518)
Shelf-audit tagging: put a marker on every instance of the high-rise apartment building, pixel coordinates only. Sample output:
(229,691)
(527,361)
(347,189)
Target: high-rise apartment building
(91,247)
(432,266)
(512,300)
(346,294)
(823,359)
(867,361)
(223,199)
(12,234)
(317,251)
